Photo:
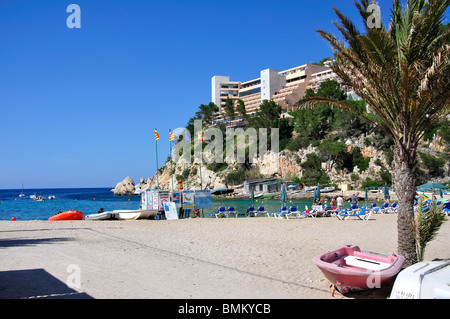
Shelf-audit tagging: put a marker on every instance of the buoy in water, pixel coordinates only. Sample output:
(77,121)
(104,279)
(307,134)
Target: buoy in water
(13,219)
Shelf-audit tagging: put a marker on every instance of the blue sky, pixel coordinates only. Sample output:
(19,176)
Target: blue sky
(78,106)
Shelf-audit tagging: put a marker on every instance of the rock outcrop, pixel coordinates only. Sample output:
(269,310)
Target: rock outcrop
(124,188)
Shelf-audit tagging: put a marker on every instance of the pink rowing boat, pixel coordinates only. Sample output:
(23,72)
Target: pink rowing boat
(349,269)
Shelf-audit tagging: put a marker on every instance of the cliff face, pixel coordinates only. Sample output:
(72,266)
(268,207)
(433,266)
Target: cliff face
(285,166)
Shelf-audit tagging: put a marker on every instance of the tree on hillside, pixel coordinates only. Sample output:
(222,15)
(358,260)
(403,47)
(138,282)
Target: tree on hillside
(403,74)
(229,109)
(205,113)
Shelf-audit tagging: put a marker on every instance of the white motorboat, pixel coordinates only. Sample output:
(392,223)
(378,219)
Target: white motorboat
(328,189)
(103,216)
(135,214)
(424,280)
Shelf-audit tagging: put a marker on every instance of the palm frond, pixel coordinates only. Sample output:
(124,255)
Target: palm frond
(426,224)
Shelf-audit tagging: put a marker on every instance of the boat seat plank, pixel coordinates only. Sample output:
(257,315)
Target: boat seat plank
(365,263)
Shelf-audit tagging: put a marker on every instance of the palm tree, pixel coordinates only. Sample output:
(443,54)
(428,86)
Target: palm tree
(402,73)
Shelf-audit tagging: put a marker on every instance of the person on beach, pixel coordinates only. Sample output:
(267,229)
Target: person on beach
(340,203)
(354,200)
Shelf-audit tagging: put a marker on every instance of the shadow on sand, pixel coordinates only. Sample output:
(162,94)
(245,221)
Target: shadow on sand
(35,284)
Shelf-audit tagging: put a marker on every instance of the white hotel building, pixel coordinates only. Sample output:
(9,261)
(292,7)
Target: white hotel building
(285,88)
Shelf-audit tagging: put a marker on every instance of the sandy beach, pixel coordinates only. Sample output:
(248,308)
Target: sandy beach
(254,258)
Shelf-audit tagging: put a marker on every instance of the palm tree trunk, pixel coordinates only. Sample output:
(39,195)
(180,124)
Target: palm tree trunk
(405,165)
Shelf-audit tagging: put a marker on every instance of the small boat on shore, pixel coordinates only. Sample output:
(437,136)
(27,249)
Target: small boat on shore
(103,216)
(68,215)
(328,189)
(349,269)
(135,214)
(423,280)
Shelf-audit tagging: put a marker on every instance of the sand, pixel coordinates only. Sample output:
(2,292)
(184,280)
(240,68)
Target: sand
(262,258)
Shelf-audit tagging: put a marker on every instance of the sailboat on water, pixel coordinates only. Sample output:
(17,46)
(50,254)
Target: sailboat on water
(22,194)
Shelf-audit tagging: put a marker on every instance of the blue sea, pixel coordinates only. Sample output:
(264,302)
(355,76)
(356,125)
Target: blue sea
(90,200)
(87,200)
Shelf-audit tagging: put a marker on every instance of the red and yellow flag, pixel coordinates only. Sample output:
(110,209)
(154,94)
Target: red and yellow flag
(200,136)
(171,136)
(156,135)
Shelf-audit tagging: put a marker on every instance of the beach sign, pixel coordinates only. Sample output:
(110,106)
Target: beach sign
(144,200)
(170,210)
(203,199)
(176,198)
(188,199)
(164,197)
(147,200)
(155,200)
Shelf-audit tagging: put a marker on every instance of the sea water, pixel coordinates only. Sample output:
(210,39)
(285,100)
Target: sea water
(86,200)
(90,200)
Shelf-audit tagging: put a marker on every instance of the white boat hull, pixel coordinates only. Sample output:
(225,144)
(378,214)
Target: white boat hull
(424,280)
(135,214)
(103,216)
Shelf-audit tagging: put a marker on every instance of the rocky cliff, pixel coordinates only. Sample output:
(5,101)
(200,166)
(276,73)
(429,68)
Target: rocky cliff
(285,166)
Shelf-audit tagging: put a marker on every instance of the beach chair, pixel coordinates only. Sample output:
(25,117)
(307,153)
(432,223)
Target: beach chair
(329,210)
(363,214)
(249,213)
(282,210)
(446,209)
(221,212)
(293,212)
(381,209)
(231,211)
(260,211)
(392,208)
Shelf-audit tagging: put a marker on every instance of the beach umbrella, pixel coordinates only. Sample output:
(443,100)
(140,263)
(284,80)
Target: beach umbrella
(283,195)
(430,187)
(386,191)
(317,193)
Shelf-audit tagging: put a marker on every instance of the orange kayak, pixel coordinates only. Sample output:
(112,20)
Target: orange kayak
(69,215)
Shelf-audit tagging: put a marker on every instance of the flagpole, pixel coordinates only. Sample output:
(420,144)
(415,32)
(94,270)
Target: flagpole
(157,173)
(170,148)
(186,159)
(200,140)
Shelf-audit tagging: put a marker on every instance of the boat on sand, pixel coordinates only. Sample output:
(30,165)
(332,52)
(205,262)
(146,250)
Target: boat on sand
(135,214)
(68,215)
(103,216)
(350,269)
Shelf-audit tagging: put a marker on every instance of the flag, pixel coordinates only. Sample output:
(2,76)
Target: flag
(200,136)
(156,135)
(171,136)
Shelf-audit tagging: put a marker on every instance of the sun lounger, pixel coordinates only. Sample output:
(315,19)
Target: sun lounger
(221,212)
(249,213)
(293,212)
(260,211)
(282,210)
(231,211)
(392,208)
(381,209)
(446,209)
(363,214)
